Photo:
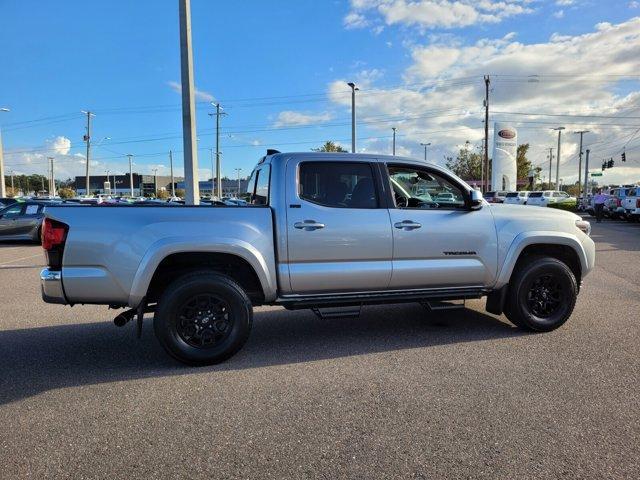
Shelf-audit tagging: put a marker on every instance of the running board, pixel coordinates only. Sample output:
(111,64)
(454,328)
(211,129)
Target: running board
(294,302)
(337,312)
(435,306)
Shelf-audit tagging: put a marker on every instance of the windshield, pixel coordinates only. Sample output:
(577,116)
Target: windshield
(535,194)
(512,194)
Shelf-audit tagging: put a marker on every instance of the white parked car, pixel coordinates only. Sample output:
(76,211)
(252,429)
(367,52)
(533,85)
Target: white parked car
(542,199)
(632,204)
(516,198)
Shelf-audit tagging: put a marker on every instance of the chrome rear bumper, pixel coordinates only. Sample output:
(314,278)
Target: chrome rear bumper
(51,284)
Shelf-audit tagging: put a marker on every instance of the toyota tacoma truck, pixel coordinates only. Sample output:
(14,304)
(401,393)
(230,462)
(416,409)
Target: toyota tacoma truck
(323,231)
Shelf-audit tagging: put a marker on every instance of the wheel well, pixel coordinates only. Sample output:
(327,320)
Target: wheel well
(177,264)
(564,253)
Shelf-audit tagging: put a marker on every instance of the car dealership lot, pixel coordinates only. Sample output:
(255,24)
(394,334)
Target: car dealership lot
(398,392)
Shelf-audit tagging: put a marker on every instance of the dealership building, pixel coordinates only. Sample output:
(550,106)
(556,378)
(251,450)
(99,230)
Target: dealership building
(143,185)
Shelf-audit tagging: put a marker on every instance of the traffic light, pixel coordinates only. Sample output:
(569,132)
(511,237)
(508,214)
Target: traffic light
(610,163)
(624,156)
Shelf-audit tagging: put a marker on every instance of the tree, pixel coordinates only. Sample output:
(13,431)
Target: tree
(65,192)
(523,164)
(162,194)
(180,192)
(329,146)
(467,164)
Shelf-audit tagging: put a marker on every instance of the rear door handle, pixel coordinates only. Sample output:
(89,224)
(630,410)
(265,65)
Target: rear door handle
(308,225)
(407,225)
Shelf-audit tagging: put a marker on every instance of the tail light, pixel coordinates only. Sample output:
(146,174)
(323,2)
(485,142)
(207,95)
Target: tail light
(618,202)
(53,236)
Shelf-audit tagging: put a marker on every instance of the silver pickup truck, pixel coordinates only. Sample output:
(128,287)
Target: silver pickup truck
(328,232)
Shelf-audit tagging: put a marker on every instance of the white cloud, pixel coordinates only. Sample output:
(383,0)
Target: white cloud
(200,95)
(431,13)
(559,14)
(290,118)
(634,4)
(553,77)
(565,3)
(59,145)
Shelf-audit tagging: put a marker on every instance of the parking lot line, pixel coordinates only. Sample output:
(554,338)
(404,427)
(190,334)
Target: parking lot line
(19,259)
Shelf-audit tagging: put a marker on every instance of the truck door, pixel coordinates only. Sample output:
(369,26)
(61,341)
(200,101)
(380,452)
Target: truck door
(338,230)
(437,241)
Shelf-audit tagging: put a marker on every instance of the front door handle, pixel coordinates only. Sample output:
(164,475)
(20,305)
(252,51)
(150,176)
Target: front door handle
(407,225)
(308,225)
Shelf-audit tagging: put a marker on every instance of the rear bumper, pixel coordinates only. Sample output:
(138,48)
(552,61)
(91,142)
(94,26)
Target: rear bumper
(51,285)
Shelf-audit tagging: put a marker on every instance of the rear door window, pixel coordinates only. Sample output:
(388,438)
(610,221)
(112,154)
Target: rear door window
(338,184)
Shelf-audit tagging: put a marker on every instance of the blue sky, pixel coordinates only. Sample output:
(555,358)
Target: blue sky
(279,67)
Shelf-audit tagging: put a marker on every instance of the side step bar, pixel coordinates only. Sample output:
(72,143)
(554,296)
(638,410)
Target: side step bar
(295,302)
(337,312)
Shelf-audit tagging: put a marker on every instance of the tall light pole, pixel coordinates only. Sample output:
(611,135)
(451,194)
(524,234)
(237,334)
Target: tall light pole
(129,156)
(192,194)
(586,177)
(52,178)
(393,145)
(425,145)
(3,188)
(87,138)
(155,182)
(173,184)
(581,132)
(217,114)
(238,170)
(354,89)
(559,129)
(12,189)
(213,176)
(550,166)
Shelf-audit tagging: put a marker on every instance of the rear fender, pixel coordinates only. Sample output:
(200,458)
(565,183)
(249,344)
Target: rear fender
(168,246)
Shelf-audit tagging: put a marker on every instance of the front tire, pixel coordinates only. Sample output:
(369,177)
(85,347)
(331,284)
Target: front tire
(542,294)
(203,318)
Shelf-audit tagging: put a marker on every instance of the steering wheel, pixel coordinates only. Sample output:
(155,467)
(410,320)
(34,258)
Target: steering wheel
(401,201)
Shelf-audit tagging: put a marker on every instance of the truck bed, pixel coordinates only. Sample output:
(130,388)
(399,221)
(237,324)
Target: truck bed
(111,252)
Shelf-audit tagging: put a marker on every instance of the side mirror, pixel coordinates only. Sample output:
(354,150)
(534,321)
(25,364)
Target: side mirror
(476,200)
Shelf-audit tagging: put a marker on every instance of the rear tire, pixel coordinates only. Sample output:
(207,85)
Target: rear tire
(542,294)
(203,318)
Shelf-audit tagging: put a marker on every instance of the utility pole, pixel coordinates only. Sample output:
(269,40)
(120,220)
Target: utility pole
(3,187)
(550,166)
(586,177)
(353,115)
(559,129)
(425,145)
(12,189)
(155,182)
(393,148)
(87,138)
(192,194)
(52,178)
(581,132)
(218,169)
(42,179)
(238,170)
(130,174)
(487,82)
(173,185)
(213,176)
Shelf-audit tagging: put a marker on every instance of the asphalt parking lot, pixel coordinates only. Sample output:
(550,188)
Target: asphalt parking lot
(396,393)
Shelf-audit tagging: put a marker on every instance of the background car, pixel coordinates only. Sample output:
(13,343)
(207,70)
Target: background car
(614,205)
(6,201)
(546,197)
(517,198)
(495,197)
(22,221)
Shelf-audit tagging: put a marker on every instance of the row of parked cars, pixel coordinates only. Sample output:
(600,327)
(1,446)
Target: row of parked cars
(540,199)
(622,202)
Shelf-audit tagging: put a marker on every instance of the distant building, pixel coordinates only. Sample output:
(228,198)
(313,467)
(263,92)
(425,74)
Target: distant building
(229,186)
(143,185)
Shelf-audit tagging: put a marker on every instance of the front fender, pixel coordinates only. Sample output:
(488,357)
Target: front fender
(524,239)
(261,263)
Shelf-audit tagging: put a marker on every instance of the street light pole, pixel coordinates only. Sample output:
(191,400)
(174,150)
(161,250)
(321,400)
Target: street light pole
(173,185)
(581,132)
(3,187)
(87,138)
(213,176)
(218,168)
(353,115)
(586,177)
(559,129)
(425,145)
(192,195)
(550,166)
(130,175)
(52,179)
(155,182)
(238,170)
(393,148)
